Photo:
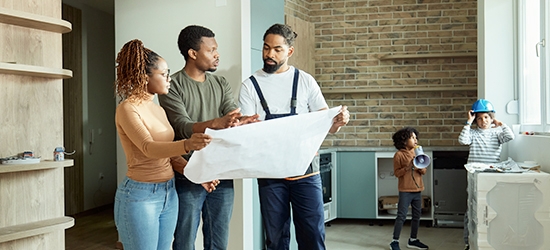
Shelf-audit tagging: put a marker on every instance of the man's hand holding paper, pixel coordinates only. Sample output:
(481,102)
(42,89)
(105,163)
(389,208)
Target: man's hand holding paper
(275,148)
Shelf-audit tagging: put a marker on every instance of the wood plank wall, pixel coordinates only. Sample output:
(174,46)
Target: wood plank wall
(31,111)
(304,47)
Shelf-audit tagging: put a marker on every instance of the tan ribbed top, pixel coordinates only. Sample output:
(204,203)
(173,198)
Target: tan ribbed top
(147,139)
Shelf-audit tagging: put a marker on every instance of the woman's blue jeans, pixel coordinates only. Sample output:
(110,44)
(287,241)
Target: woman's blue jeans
(146,214)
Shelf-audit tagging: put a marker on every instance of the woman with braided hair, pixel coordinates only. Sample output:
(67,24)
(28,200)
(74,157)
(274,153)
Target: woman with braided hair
(146,202)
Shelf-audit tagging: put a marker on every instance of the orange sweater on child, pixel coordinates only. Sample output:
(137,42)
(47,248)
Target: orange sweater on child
(402,168)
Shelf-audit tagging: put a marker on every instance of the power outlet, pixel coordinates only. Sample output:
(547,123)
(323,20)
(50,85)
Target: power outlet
(101,176)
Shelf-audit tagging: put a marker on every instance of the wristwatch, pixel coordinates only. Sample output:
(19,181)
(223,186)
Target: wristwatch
(467,123)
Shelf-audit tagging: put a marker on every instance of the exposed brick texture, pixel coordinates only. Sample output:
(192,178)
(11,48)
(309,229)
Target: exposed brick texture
(351,37)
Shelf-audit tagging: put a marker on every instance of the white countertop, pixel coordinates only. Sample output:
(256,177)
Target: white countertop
(389,149)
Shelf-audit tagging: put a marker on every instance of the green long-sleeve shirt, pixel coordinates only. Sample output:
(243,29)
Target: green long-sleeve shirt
(189,101)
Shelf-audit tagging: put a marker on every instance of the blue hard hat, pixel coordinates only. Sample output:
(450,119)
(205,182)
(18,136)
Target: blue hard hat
(483,106)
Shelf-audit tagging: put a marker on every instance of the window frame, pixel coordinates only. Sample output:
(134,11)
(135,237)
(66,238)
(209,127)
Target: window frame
(544,125)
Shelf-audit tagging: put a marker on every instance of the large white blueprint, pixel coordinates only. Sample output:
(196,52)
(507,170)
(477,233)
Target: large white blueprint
(276,148)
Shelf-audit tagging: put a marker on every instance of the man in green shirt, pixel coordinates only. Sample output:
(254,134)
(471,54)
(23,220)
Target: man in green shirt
(198,100)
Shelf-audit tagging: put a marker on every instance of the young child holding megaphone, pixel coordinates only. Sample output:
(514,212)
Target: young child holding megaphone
(409,164)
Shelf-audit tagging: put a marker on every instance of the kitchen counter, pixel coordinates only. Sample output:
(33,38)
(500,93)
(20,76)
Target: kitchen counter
(390,149)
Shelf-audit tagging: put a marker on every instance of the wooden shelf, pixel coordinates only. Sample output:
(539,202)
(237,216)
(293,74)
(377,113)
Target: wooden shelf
(38,71)
(35,228)
(33,21)
(426,56)
(393,90)
(10,168)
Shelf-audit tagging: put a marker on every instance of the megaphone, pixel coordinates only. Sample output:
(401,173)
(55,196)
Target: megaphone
(421,160)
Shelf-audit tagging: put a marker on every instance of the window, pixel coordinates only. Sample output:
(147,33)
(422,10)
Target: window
(532,54)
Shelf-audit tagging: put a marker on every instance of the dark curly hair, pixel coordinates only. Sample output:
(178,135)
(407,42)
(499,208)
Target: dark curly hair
(191,37)
(133,63)
(401,136)
(284,31)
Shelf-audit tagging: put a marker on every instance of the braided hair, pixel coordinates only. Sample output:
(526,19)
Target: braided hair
(133,63)
(284,31)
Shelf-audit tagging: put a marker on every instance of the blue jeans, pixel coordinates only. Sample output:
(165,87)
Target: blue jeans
(145,214)
(466,233)
(216,208)
(306,197)
(414,199)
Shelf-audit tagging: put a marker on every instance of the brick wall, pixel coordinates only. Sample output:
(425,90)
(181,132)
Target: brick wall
(352,36)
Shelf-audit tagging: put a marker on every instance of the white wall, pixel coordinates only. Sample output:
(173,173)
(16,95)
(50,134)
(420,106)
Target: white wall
(496,40)
(157,24)
(497,76)
(496,58)
(531,148)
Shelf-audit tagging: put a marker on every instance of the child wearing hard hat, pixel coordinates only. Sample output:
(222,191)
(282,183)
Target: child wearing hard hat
(485,140)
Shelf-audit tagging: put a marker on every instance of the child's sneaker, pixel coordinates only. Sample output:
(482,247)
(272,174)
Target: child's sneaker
(394,245)
(467,247)
(416,244)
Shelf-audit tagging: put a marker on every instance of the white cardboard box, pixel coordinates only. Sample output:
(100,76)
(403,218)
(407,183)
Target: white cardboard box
(509,211)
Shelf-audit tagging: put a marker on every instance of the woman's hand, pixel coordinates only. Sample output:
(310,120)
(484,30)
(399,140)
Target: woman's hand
(197,141)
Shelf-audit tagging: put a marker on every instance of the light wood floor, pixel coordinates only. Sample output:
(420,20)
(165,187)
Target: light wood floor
(95,230)
(346,234)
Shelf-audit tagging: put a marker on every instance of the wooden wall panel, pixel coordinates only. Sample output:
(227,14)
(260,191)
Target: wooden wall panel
(32,119)
(31,114)
(54,240)
(304,47)
(31,196)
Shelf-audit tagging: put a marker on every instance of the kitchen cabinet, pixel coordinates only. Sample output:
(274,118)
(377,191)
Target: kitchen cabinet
(356,189)
(450,183)
(386,185)
(327,165)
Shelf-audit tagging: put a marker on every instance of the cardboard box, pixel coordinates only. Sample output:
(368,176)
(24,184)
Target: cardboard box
(388,202)
(391,202)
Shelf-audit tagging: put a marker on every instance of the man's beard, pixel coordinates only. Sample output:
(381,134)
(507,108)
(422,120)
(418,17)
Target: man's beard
(212,69)
(270,69)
